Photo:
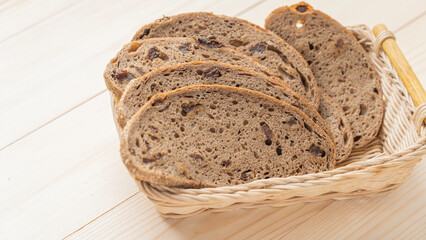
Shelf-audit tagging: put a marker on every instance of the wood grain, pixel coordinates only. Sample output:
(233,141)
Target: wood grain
(35,12)
(239,224)
(63,176)
(380,217)
(66,173)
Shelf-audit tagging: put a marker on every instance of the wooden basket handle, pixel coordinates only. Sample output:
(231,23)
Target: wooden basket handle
(386,39)
(400,63)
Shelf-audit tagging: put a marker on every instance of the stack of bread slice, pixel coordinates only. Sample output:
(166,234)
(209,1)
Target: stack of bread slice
(208,101)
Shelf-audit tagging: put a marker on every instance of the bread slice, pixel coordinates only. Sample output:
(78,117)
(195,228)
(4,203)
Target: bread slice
(140,57)
(340,64)
(242,36)
(211,135)
(334,116)
(169,78)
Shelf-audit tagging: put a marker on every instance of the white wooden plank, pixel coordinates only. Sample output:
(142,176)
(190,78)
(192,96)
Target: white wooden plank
(12,21)
(135,220)
(393,13)
(58,63)
(63,176)
(380,217)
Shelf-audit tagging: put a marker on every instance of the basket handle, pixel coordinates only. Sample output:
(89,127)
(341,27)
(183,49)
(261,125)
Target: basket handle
(386,40)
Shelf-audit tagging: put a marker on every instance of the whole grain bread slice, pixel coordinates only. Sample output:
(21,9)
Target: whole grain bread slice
(243,36)
(211,135)
(140,57)
(340,64)
(141,90)
(334,116)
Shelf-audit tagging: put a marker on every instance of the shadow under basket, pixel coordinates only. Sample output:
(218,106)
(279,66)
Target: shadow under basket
(379,167)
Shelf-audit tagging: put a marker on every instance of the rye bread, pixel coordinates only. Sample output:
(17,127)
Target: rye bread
(340,64)
(169,78)
(334,116)
(211,135)
(242,36)
(140,57)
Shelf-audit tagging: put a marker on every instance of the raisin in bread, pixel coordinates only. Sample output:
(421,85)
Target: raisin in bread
(169,78)
(242,36)
(140,57)
(334,116)
(340,64)
(211,135)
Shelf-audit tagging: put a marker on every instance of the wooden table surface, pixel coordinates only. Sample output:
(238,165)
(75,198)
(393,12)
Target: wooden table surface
(60,169)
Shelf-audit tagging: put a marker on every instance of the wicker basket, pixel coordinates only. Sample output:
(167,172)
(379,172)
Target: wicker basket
(379,167)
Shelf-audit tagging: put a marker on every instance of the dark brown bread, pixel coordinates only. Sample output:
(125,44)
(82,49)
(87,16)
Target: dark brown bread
(209,136)
(169,78)
(334,116)
(242,36)
(140,57)
(339,63)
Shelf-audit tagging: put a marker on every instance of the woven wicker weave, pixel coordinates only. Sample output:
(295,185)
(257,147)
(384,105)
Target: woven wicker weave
(379,167)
